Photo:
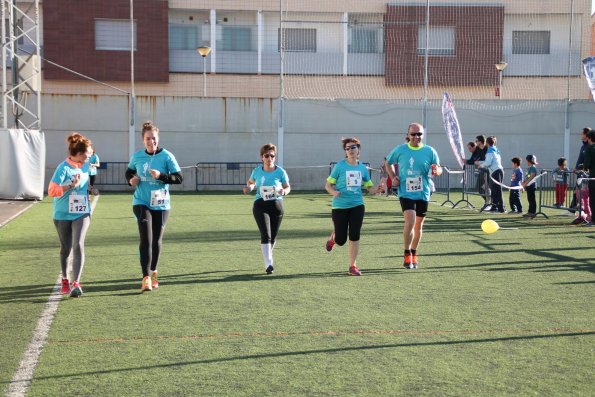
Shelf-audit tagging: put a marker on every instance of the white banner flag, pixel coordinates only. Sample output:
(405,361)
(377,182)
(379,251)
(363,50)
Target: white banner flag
(589,67)
(451,126)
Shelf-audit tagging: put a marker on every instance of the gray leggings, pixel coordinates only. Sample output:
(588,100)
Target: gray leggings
(72,238)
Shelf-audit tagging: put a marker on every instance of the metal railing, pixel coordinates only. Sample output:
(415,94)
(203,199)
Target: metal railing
(224,174)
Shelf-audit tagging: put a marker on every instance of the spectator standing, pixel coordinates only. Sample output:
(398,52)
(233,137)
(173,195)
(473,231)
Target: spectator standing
(514,198)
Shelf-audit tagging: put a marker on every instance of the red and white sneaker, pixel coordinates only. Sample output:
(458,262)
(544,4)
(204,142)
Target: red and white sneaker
(354,271)
(330,242)
(154,282)
(65,289)
(146,284)
(76,290)
(414,261)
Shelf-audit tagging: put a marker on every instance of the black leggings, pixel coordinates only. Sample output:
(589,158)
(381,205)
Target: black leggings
(531,199)
(346,219)
(151,224)
(497,197)
(268,216)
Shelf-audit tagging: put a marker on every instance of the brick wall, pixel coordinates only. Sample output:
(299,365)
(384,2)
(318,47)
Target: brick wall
(478,45)
(69,40)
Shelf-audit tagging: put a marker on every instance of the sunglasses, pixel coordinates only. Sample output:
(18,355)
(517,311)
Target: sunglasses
(269,156)
(415,133)
(351,147)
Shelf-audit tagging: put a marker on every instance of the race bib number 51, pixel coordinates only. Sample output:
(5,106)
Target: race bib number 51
(159,198)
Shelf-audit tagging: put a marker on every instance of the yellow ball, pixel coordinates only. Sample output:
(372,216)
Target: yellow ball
(489,226)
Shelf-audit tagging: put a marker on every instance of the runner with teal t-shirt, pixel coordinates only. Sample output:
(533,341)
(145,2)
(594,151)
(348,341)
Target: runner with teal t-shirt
(415,163)
(93,165)
(69,187)
(151,171)
(345,184)
(271,183)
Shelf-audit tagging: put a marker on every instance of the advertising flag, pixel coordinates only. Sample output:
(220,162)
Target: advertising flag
(451,126)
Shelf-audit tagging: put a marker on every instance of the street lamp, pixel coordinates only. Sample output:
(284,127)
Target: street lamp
(500,66)
(204,51)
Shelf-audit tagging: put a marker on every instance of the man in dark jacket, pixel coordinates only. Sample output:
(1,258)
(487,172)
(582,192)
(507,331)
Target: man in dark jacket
(579,162)
(589,165)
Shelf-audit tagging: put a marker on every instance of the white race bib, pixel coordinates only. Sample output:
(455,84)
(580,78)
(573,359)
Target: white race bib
(268,193)
(413,184)
(353,178)
(78,204)
(159,198)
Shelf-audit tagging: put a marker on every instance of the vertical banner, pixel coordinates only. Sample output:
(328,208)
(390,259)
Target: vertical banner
(589,68)
(451,126)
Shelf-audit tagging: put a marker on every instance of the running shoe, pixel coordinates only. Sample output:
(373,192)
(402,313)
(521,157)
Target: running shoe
(413,261)
(65,289)
(146,284)
(76,290)
(330,242)
(154,282)
(354,271)
(270,269)
(408,262)
(577,221)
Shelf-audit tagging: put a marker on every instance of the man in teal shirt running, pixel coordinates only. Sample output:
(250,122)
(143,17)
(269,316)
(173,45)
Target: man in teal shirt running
(415,163)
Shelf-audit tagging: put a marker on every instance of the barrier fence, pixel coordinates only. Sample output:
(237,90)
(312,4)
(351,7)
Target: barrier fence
(554,189)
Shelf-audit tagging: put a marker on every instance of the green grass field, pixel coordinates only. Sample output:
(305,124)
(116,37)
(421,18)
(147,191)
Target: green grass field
(504,314)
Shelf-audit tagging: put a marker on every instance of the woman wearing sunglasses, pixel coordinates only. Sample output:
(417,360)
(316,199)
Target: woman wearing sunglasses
(271,183)
(345,185)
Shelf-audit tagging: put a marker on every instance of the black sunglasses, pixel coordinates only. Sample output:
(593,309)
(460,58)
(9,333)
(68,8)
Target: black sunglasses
(351,147)
(269,156)
(416,133)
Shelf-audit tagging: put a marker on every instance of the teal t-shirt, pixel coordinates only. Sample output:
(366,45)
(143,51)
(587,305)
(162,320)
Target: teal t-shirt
(269,183)
(349,180)
(74,203)
(93,160)
(413,168)
(152,192)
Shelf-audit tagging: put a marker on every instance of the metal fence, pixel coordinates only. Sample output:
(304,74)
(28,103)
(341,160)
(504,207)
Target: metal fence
(223,174)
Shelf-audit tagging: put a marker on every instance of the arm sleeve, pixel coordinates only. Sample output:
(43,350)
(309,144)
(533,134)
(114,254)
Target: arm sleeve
(129,174)
(173,179)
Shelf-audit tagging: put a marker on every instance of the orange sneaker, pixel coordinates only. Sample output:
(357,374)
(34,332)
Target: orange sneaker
(408,262)
(146,284)
(154,282)
(414,261)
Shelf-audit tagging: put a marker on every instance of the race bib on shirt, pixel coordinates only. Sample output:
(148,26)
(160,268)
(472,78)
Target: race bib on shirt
(159,198)
(268,193)
(78,204)
(353,178)
(413,184)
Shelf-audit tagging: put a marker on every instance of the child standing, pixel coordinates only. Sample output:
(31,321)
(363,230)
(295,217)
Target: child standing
(530,187)
(514,199)
(561,181)
(582,193)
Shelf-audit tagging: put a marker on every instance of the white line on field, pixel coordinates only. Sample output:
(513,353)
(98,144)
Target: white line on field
(24,373)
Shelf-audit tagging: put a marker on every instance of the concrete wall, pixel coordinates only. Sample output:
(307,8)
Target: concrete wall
(233,129)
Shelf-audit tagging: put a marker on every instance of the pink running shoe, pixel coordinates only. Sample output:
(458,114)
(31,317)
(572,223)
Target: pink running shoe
(354,271)
(330,242)
(146,284)
(65,289)
(154,282)
(76,290)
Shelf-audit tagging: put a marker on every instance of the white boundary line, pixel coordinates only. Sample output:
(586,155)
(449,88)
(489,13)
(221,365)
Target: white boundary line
(24,374)
(17,214)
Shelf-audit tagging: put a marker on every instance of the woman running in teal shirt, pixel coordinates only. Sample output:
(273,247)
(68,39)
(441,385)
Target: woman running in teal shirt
(272,184)
(345,185)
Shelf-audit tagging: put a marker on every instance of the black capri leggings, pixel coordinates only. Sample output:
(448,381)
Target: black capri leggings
(151,224)
(346,219)
(268,216)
